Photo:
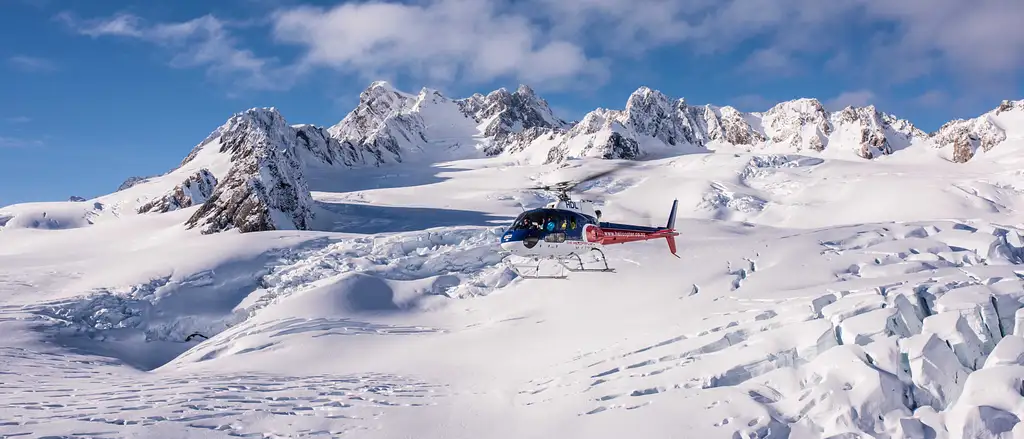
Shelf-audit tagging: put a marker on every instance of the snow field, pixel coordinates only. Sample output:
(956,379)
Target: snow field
(812,315)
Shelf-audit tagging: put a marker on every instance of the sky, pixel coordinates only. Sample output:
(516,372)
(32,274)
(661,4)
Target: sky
(92,93)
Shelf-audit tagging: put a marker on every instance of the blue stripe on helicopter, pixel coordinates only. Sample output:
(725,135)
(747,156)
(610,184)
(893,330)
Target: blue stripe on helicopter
(628,227)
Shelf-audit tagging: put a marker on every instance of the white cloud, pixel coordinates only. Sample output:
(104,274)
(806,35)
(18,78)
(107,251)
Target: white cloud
(552,43)
(450,40)
(19,119)
(970,37)
(15,142)
(31,64)
(893,41)
(202,42)
(857,98)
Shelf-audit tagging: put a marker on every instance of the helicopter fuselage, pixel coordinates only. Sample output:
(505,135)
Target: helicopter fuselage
(567,227)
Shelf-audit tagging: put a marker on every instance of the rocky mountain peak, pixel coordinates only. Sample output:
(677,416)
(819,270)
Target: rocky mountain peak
(647,102)
(967,136)
(727,124)
(265,188)
(1010,105)
(525,91)
(798,124)
(512,120)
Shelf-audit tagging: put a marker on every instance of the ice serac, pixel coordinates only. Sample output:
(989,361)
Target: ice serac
(195,190)
(935,371)
(966,136)
(264,188)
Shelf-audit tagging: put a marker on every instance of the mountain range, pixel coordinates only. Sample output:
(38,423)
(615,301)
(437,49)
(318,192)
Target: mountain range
(248,174)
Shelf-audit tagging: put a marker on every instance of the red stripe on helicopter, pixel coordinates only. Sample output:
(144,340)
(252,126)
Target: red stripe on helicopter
(617,236)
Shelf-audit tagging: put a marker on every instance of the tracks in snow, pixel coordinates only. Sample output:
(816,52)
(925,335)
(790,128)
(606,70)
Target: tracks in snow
(91,398)
(894,288)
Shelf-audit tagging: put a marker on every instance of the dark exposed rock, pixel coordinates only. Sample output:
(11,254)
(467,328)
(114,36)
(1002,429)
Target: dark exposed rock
(132,181)
(265,188)
(196,189)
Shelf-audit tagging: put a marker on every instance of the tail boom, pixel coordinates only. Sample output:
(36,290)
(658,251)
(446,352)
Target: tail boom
(613,233)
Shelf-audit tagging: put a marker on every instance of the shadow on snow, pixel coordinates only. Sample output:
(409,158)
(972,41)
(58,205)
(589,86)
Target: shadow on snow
(400,175)
(372,219)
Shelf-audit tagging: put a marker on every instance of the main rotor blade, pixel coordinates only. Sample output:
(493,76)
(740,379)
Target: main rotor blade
(568,185)
(598,175)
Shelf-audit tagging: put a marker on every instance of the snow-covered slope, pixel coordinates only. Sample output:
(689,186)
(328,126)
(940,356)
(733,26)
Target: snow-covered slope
(800,307)
(818,294)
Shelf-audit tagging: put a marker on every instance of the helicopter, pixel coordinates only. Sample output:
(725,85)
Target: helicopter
(564,229)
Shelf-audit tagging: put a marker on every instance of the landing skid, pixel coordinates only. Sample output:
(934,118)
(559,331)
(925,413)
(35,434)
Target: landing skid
(525,270)
(533,269)
(579,261)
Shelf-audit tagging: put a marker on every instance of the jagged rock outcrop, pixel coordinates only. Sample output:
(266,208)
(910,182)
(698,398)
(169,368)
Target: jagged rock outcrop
(132,181)
(649,114)
(76,198)
(727,124)
(381,124)
(317,142)
(511,120)
(265,188)
(196,189)
(392,124)
(871,133)
(966,136)
(799,124)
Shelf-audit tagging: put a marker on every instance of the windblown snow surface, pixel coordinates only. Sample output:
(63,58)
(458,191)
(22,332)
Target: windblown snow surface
(814,297)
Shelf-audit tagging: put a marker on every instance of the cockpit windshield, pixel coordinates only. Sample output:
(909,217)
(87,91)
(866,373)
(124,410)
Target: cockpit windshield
(550,220)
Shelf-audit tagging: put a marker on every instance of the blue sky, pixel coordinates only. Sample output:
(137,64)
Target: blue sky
(94,92)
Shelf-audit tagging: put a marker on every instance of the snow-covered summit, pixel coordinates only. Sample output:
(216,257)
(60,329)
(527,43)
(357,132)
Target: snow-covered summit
(651,123)
(265,188)
(397,124)
(965,136)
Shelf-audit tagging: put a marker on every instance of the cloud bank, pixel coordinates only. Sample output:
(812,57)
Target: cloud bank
(554,43)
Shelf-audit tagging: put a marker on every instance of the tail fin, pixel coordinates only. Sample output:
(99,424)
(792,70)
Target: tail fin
(671,228)
(672,216)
